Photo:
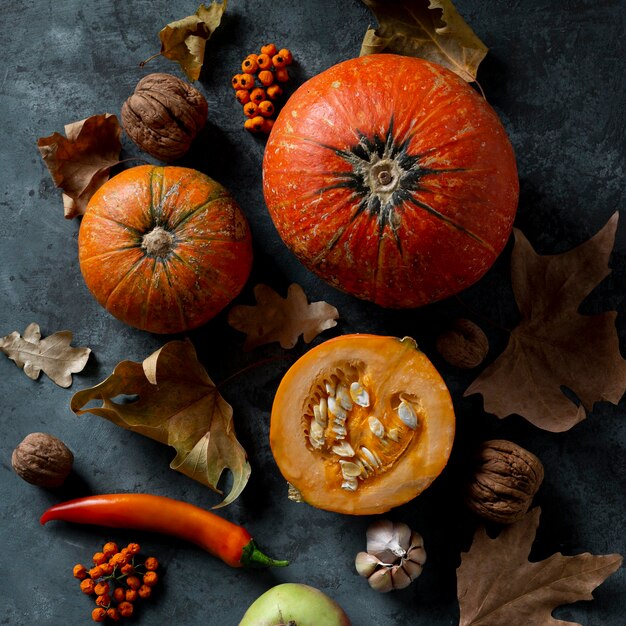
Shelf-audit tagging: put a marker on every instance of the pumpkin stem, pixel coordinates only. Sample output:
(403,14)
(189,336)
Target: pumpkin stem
(158,242)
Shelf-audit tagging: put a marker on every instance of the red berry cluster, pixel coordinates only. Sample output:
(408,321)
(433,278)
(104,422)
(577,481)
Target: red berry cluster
(117,580)
(259,102)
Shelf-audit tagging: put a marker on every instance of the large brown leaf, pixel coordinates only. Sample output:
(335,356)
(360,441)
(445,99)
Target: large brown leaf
(554,346)
(281,319)
(177,404)
(498,586)
(53,355)
(429,29)
(80,162)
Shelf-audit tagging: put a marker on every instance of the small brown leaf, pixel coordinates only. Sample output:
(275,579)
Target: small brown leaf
(497,586)
(554,346)
(281,319)
(80,162)
(184,40)
(429,29)
(52,355)
(179,405)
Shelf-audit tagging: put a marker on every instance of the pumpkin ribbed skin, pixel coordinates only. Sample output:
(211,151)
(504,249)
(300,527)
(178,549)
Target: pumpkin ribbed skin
(391,179)
(197,263)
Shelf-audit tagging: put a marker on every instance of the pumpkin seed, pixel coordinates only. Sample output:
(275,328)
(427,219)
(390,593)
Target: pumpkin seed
(330,388)
(343,397)
(350,469)
(407,414)
(335,410)
(359,394)
(393,434)
(320,412)
(340,431)
(350,484)
(376,426)
(369,457)
(343,449)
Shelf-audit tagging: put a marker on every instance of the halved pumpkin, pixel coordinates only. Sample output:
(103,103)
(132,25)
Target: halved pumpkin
(361,424)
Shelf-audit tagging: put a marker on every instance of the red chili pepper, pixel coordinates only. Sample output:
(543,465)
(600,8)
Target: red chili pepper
(221,538)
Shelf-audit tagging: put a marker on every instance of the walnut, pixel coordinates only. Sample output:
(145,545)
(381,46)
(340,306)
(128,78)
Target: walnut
(164,115)
(505,480)
(463,345)
(42,460)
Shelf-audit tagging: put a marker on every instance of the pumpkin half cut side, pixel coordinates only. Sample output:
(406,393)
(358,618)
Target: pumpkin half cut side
(391,179)
(361,424)
(164,249)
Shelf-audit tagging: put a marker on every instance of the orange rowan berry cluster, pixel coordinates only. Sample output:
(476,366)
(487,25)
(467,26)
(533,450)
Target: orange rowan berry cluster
(260,102)
(117,579)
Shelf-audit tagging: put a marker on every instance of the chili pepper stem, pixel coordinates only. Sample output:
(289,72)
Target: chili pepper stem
(251,556)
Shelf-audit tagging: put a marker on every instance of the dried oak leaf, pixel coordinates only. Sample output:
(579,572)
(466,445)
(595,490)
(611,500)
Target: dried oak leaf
(184,40)
(54,356)
(281,319)
(174,401)
(429,29)
(80,162)
(554,346)
(498,586)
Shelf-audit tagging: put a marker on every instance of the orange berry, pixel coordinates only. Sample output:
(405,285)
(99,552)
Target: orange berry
(133,582)
(266,108)
(256,126)
(264,61)
(125,609)
(286,54)
(99,558)
(127,569)
(246,81)
(250,109)
(274,92)
(242,95)
(250,65)
(118,559)
(257,95)
(267,126)
(119,594)
(278,61)
(130,595)
(96,572)
(102,588)
(79,571)
(103,600)
(144,591)
(150,579)
(151,563)
(270,49)
(266,78)
(87,586)
(113,614)
(106,568)
(98,614)
(236,81)
(109,548)
(133,548)
(281,75)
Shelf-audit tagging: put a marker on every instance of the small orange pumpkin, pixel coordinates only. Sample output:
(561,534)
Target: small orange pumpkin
(164,249)
(392,179)
(361,424)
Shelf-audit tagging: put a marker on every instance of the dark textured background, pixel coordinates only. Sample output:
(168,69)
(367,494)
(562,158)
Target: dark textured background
(554,74)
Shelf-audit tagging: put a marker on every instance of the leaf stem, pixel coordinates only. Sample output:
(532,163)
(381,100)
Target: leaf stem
(154,56)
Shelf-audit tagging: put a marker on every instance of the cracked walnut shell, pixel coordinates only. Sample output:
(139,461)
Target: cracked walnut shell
(42,460)
(164,115)
(505,480)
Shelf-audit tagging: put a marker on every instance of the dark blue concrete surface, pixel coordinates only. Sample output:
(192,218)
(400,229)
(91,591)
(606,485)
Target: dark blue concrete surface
(554,74)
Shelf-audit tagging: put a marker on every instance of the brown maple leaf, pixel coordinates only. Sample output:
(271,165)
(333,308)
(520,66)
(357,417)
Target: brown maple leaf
(53,355)
(554,346)
(175,402)
(429,29)
(498,586)
(281,319)
(80,162)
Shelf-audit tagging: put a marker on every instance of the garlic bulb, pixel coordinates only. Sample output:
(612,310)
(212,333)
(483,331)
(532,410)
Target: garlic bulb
(394,558)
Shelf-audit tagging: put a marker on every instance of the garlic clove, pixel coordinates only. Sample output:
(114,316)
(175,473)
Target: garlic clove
(379,536)
(417,540)
(399,578)
(380,580)
(412,569)
(366,563)
(417,555)
(404,535)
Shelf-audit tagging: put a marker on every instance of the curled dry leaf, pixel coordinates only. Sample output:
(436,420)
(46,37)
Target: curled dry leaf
(429,29)
(497,585)
(554,346)
(184,40)
(175,402)
(54,356)
(80,162)
(282,319)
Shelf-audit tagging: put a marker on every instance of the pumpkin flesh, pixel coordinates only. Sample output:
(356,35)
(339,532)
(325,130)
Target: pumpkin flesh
(397,460)
(181,284)
(391,179)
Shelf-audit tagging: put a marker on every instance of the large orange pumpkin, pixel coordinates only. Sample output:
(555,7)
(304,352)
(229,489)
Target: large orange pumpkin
(164,248)
(392,179)
(361,424)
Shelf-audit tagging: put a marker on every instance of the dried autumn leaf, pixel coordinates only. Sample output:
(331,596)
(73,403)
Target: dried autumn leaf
(176,403)
(498,586)
(80,162)
(184,40)
(281,319)
(554,346)
(54,356)
(429,29)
